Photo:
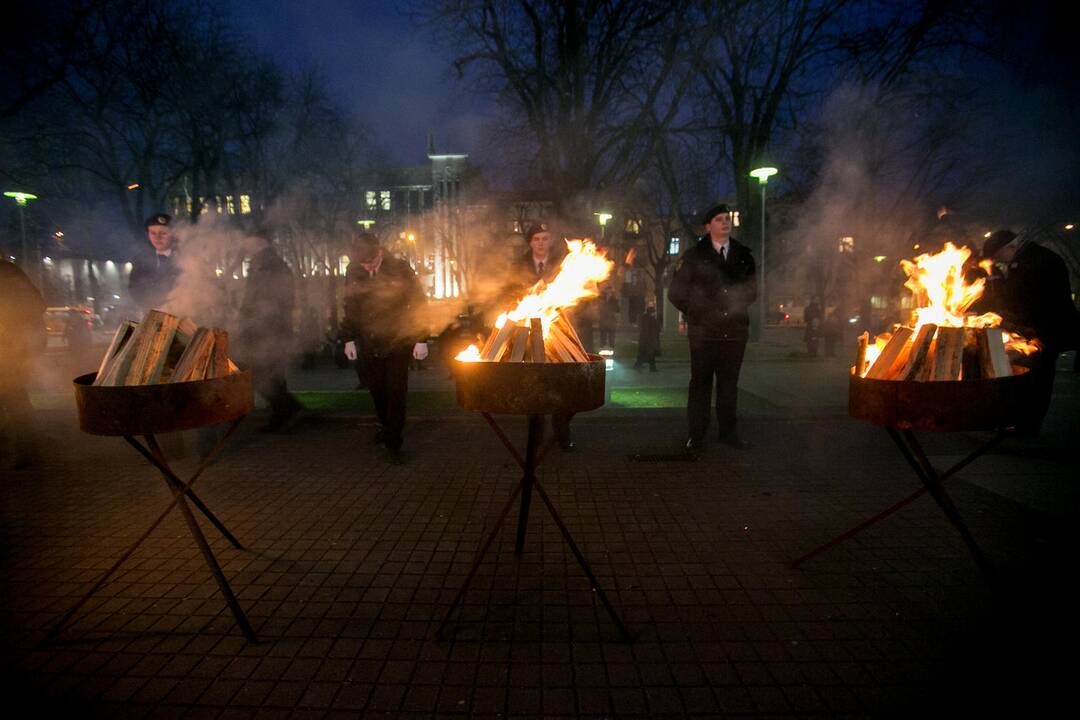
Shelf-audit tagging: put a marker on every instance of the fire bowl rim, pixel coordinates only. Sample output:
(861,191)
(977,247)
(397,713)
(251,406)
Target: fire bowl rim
(530,388)
(942,405)
(161,407)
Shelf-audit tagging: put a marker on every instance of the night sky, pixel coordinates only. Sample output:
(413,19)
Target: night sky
(390,74)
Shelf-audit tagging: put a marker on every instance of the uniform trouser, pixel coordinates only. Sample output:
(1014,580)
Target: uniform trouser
(1042,366)
(711,358)
(269,381)
(388,383)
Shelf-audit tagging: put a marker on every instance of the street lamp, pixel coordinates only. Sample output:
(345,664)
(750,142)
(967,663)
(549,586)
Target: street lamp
(603,217)
(763,174)
(22,199)
(365,223)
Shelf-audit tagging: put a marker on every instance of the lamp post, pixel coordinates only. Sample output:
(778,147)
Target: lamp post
(762,174)
(603,218)
(22,199)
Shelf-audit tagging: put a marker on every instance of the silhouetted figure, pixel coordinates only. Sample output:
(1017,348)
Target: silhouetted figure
(266,326)
(713,286)
(22,334)
(813,317)
(608,319)
(154,274)
(648,339)
(1029,287)
(383,302)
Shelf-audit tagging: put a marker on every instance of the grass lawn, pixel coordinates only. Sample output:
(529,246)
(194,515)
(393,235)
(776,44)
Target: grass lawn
(442,400)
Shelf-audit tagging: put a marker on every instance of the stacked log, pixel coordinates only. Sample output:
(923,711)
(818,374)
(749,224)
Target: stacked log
(526,341)
(164,349)
(936,354)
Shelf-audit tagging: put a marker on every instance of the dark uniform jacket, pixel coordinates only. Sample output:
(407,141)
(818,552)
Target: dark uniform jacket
(1034,298)
(152,278)
(715,294)
(266,312)
(384,311)
(525,275)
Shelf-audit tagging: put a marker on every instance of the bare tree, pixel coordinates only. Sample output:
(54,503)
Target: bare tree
(593,83)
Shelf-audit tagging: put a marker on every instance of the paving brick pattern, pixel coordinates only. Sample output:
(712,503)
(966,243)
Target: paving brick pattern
(351,563)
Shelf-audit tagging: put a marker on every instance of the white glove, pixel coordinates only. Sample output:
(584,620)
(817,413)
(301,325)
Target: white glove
(350,350)
(419,351)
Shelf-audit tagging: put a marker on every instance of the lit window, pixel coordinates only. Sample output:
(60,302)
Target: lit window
(245,204)
(371,200)
(205,207)
(878,302)
(673,246)
(847,245)
(384,199)
(231,204)
(735,218)
(633,226)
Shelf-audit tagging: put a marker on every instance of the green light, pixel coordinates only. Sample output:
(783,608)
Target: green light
(880,258)
(603,217)
(20,198)
(366,223)
(763,174)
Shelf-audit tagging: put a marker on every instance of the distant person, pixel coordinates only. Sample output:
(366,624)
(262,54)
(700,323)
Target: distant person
(648,339)
(713,286)
(383,307)
(832,330)
(542,261)
(266,326)
(812,317)
(1029,287)
(22,334)
(154,274)
(608,318)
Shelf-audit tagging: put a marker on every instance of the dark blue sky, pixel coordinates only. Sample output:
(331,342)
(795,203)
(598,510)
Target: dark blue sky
(382,68)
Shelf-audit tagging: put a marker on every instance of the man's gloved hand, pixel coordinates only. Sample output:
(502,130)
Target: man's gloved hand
(350,350)
(419,351)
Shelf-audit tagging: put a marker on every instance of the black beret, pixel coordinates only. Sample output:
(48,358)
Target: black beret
(158,219)
(534,229)
(713,212)
(996,241)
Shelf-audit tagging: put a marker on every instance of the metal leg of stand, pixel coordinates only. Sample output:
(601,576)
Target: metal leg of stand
(584,564)
(536,436)
(981,450)
(203,465)
(204,548)
(534,454)
(914,454)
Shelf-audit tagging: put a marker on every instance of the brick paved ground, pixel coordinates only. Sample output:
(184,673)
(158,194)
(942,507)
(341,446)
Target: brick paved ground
(352,561)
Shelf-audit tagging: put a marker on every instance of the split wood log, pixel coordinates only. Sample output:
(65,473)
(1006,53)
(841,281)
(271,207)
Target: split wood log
(495,351)
(120,338)
(195,361)
(948,354)
(892,355)
(152,339)
(570,330)
(920,350)
(219,365)
(520,343)
(536,336)
(992,356)
(576,351)
(860,356)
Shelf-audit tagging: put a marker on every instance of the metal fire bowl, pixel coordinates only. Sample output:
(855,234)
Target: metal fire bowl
(161,408)
(526,388)
(943,406)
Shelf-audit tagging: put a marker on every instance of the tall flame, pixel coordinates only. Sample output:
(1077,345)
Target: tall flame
(943,296)
(582,269)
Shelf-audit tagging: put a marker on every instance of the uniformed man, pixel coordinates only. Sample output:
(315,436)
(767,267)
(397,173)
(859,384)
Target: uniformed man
(542,261)
(714,285)
(266,322)
(1029,288)
(153,276)
(383,309)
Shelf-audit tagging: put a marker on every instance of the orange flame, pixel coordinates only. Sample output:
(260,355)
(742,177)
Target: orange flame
(943,296)
(582,269)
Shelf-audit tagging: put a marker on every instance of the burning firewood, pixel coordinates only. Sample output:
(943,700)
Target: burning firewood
(944,341)
(164,348)
(538,329)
